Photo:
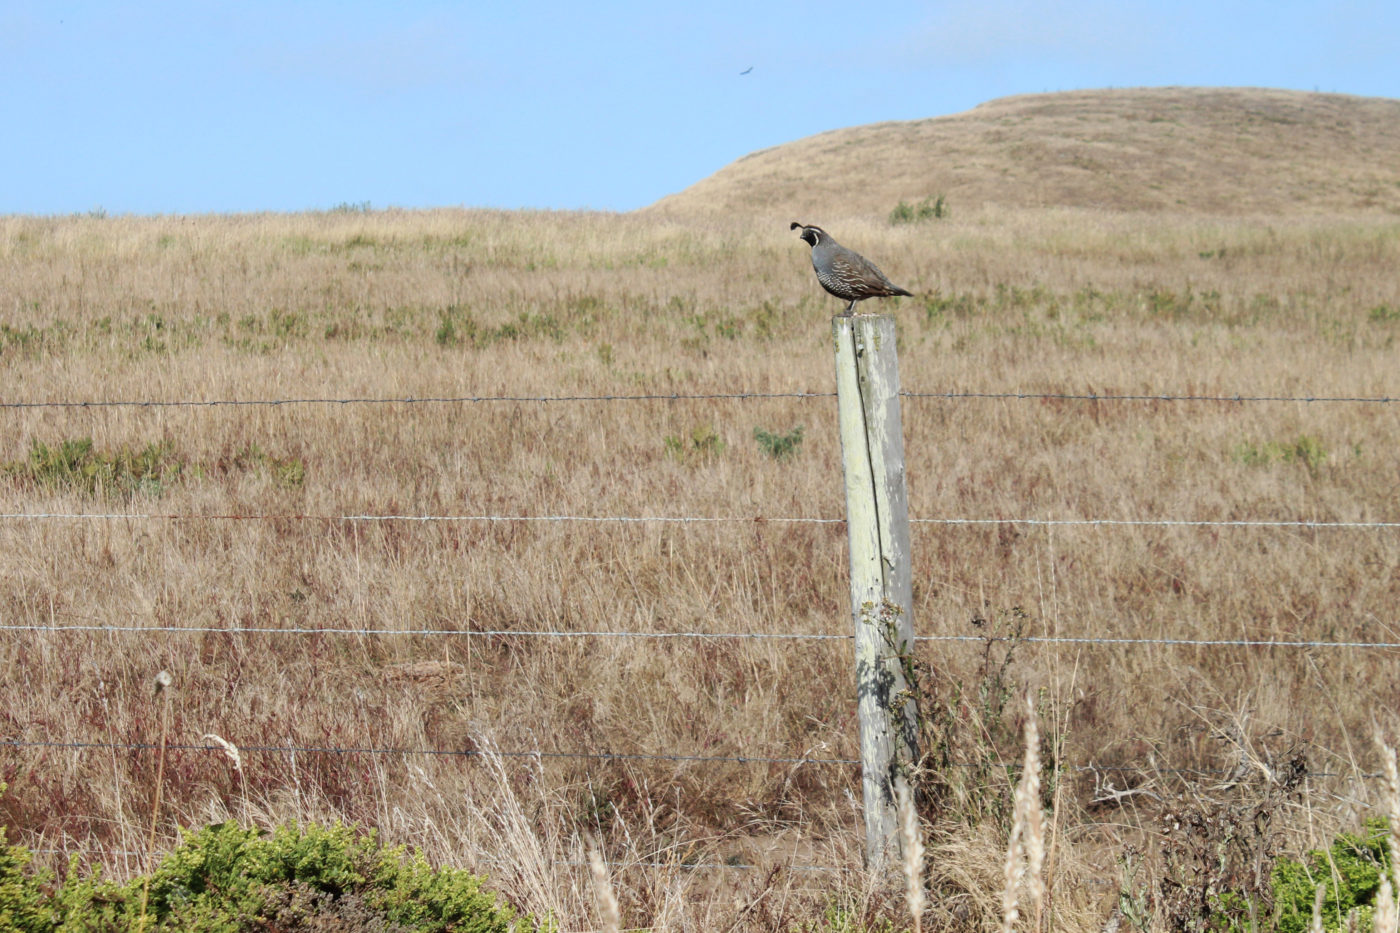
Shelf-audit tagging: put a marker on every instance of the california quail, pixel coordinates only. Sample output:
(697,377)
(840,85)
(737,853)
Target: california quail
(845,273)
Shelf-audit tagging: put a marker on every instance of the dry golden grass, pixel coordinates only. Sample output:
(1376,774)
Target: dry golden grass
(468,303)
(1214,151)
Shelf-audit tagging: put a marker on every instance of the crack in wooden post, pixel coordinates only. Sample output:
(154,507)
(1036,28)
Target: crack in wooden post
(877,519)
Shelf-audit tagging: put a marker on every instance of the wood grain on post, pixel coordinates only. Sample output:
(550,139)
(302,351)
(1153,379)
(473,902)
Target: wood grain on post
(877,518)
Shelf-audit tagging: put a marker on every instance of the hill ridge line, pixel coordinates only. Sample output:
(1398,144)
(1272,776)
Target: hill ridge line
(1197,150)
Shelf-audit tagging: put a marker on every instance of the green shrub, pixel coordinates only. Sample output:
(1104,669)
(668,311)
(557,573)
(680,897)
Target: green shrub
(24,907)
(703,443)
(1305,449)
(930,208)
(779,446)
(458,328)
(75,465)
(1350,870)
(224,879)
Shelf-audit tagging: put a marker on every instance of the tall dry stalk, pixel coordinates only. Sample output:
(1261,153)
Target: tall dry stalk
(1387,919)
(1387,912)
(233,755)
(1392,783)
(1025,852)
(163,681)
(912,844)
(608,910)
(532,853)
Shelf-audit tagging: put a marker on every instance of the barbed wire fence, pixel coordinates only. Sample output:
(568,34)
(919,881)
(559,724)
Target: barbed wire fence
(606,756)
(1239,398)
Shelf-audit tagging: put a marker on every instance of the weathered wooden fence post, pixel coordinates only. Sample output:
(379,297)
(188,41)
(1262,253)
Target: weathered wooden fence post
(877,519)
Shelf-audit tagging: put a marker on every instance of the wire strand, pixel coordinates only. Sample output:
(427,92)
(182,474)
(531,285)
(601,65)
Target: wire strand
(689,519)
(1156,522)
(1177,642)
(732,636)
(465,633)
(429,752)
(685,397)
(298,516)
(1161,397)
(413,400)
(1090,768)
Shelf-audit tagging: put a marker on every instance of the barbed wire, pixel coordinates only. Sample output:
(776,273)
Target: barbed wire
(1153,397)
(669,397)
(689,519)
(686,397)
(415,400)
(424,752)
(298,516)
(602,757)
(1177,642)
(465,633)
(1091,768)
(615,865)
(719,636)
(1157,522)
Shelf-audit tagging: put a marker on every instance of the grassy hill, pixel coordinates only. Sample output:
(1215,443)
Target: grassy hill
(1218,151)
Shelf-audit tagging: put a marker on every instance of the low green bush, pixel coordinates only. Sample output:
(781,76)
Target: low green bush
(703,443)
(24,905)
(779,446)
(1350,870)
(228,879)
(930,208)
(75,465)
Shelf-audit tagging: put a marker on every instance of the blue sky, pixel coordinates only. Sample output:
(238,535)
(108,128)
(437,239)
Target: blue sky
(246,106)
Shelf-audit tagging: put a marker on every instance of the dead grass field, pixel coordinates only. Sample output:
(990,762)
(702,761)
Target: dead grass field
(475,303)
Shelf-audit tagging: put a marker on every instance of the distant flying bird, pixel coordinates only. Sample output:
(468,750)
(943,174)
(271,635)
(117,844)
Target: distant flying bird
(746,71)
(845,273)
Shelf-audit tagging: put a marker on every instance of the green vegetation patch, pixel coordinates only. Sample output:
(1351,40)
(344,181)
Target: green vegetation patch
(702,443)
(30,342)
(228,878)
(76,465)
(779,446)
(1350,871)
(1305,449)
(930,208)
(459,328)
(285,472)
